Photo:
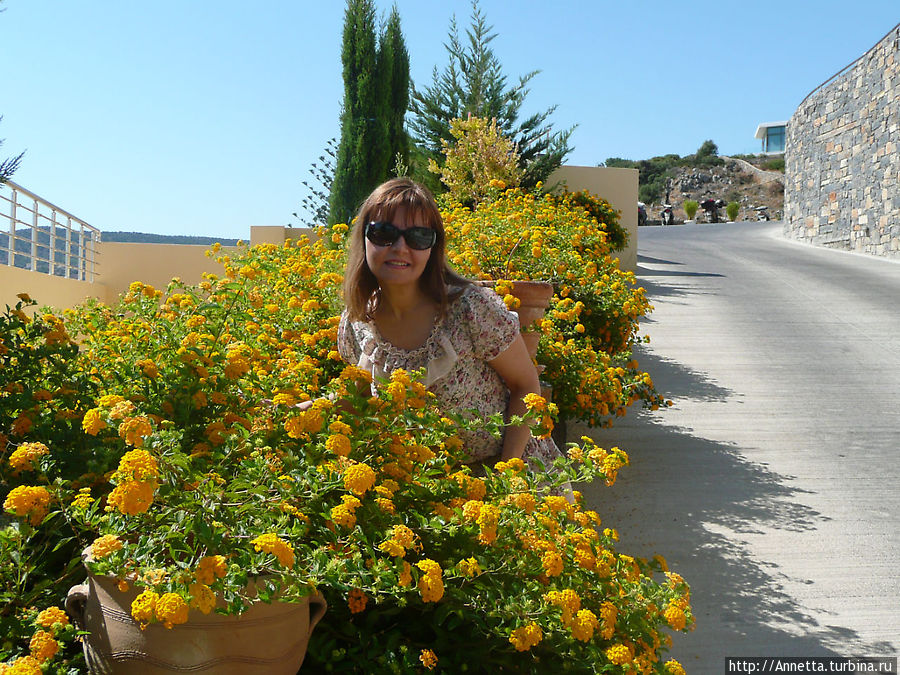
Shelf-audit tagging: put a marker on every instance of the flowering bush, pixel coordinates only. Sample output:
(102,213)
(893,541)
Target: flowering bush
(480,161)
(600,210)
(169,439)
(592,324)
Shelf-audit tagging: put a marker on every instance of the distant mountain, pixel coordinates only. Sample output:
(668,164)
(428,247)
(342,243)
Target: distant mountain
(145,238)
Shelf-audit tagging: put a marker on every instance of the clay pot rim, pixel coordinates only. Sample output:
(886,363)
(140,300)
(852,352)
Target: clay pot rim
(536,292)
(253,583)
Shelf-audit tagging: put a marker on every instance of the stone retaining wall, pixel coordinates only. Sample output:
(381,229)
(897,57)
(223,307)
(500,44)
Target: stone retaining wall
(842,158)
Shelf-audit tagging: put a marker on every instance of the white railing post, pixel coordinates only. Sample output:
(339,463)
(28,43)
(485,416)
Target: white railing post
(68,246)
(34,235)
(82,258)
(11,261)
(95,240)
(52,251)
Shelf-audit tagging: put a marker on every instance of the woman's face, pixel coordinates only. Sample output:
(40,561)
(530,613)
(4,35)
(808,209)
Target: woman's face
(397,264)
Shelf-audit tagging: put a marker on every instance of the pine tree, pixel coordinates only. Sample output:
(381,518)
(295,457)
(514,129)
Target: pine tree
(315,203)
(362,159)
(8,166)
(473,83)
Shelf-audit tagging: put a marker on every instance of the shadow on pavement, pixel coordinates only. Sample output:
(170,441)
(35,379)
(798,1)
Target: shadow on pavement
(656,261)
(691,499)
(643,272)
(675,381)
(667,291)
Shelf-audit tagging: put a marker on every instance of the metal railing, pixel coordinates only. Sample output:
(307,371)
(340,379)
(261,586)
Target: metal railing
(41,237)
(855,61)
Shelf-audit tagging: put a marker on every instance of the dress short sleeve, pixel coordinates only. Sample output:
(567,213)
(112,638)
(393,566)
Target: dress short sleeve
(491,326)
(348,347)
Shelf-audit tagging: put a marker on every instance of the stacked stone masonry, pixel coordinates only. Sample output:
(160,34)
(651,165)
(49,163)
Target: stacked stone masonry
(842,158)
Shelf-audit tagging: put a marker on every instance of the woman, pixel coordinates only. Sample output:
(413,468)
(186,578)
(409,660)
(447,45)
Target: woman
(407,309)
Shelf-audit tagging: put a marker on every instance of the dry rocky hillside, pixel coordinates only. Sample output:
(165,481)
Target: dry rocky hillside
(734,181)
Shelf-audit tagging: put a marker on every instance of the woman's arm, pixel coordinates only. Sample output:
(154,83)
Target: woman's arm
(518,373)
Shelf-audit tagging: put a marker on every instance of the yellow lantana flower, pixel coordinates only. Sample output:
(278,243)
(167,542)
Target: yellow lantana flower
(143,607)
(526,637)
(92,423)
(428,658)
(359,478)
(42,646)
(431,584)
(171,609)
(272,543)
(51,617)
(24,457)
(105,545)
(338,443)
(202,597)
(27,500)
(210,568)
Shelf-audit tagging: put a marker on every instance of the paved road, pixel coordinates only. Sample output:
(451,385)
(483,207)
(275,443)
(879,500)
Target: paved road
(773,483)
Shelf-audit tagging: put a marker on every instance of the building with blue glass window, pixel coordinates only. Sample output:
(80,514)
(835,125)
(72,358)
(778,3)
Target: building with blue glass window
(772,136)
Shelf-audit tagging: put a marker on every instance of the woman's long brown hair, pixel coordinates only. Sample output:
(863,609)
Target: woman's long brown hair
(361,290)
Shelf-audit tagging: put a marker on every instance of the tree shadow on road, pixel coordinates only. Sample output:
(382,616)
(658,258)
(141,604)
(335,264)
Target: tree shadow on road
(674,380)
(692,499)
(641,258)
(644,272)
(668,291)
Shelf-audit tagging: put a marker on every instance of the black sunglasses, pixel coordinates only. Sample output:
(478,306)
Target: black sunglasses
(385,234)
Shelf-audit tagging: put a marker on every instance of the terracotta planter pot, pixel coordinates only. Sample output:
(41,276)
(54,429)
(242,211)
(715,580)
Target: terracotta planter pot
(532,338)
(534,298)
(533,294)
(267,638)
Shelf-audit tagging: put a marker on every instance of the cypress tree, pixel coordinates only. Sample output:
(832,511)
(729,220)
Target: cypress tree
(393,47)
(362,155)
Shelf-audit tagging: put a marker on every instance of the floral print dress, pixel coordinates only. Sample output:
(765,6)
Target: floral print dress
(476,329)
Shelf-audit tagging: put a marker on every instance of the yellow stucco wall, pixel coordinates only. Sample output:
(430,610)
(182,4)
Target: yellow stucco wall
(154,264)
(277,234)
(119,264)
(617,186)
(46,289)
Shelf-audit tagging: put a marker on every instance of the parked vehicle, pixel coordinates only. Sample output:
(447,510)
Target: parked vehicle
(667,217)
(711,207)
(762,212)
(642,214)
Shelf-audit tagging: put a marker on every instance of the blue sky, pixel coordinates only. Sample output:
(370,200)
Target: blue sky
(199,117)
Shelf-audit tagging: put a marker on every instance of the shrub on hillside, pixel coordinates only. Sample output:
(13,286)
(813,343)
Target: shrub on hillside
(690,208)
(774,164)
(732,210)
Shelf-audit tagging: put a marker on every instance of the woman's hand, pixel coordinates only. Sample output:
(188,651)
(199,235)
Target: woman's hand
(341,404)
